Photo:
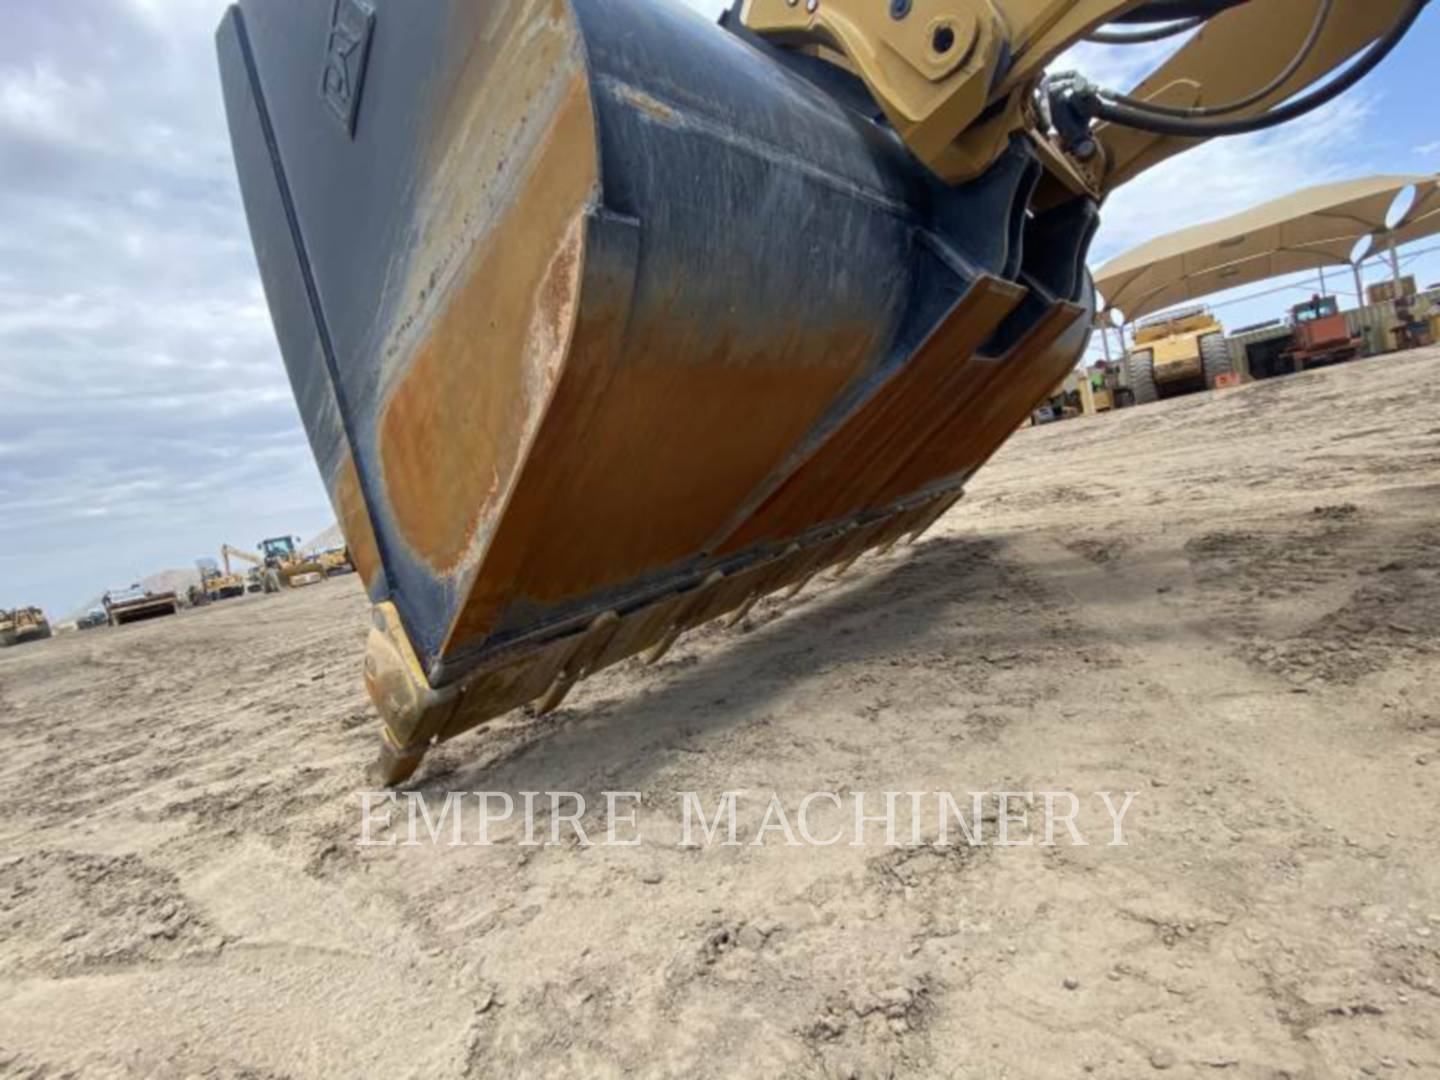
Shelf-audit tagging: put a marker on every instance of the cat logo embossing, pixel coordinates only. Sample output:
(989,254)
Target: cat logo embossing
(347,50)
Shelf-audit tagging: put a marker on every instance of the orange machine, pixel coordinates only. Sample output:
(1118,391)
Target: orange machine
(1322,336)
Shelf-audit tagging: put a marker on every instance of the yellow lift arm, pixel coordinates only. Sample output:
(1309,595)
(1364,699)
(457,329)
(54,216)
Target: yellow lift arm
(958,78)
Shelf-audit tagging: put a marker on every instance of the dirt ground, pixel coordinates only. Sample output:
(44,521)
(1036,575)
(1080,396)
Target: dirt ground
(1228,604)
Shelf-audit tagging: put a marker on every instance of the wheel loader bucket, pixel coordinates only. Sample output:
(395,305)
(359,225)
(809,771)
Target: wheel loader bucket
(604,321)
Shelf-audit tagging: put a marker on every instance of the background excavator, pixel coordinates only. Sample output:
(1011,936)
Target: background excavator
(215,585)
(605,321)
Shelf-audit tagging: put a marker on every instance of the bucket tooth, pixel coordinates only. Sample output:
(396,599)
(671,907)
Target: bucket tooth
(941,506)
(768,578)
(394,765)
(852,545)
(888,545)
(640,629)
(799,586)
(580,662)
(413,714)
(660,648)
(551,699)
(808,563)
(684,618)
(736,616)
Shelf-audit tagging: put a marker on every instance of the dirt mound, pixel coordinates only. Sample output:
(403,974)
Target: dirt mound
(330,538)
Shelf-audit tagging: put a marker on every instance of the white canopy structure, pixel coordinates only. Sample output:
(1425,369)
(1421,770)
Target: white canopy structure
(1313,228)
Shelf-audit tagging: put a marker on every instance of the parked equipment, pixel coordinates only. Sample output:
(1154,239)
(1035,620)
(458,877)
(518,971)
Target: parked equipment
(1321,335)
(282,555)
(137,604)
(604,321)
(22,625)
(335,561)
(1390,290)
(1176,354)
(280,563)
(1411,330)
(216,584)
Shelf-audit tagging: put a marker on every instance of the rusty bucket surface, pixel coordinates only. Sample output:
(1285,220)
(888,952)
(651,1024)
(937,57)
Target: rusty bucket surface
(604,320)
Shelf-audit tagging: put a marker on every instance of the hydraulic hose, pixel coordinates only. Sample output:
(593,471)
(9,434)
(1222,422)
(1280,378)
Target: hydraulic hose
(1317,26)
(1101,104)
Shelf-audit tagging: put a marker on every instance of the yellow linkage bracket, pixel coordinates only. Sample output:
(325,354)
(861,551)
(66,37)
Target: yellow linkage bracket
(929,63)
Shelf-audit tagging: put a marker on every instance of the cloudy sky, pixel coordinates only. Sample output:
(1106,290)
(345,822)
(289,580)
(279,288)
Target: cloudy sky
(144,413)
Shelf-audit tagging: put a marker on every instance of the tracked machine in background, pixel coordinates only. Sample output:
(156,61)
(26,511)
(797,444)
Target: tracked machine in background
(22,625)
(605,321)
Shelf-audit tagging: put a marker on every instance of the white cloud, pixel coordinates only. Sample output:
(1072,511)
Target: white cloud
(1118,67)
(1226,175)
(145,413)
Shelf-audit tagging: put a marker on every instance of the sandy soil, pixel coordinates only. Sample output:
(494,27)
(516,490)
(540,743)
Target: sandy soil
(1228,604)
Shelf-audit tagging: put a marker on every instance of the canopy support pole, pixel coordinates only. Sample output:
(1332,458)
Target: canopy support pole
(1360,303)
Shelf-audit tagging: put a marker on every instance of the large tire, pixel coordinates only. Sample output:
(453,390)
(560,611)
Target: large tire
(1215,356)
(1140,374)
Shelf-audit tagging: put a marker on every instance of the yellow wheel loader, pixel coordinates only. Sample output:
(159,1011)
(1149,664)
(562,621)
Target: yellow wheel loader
(283,557)
(22,625)
(279,562)
(1175,354)
(605,320)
